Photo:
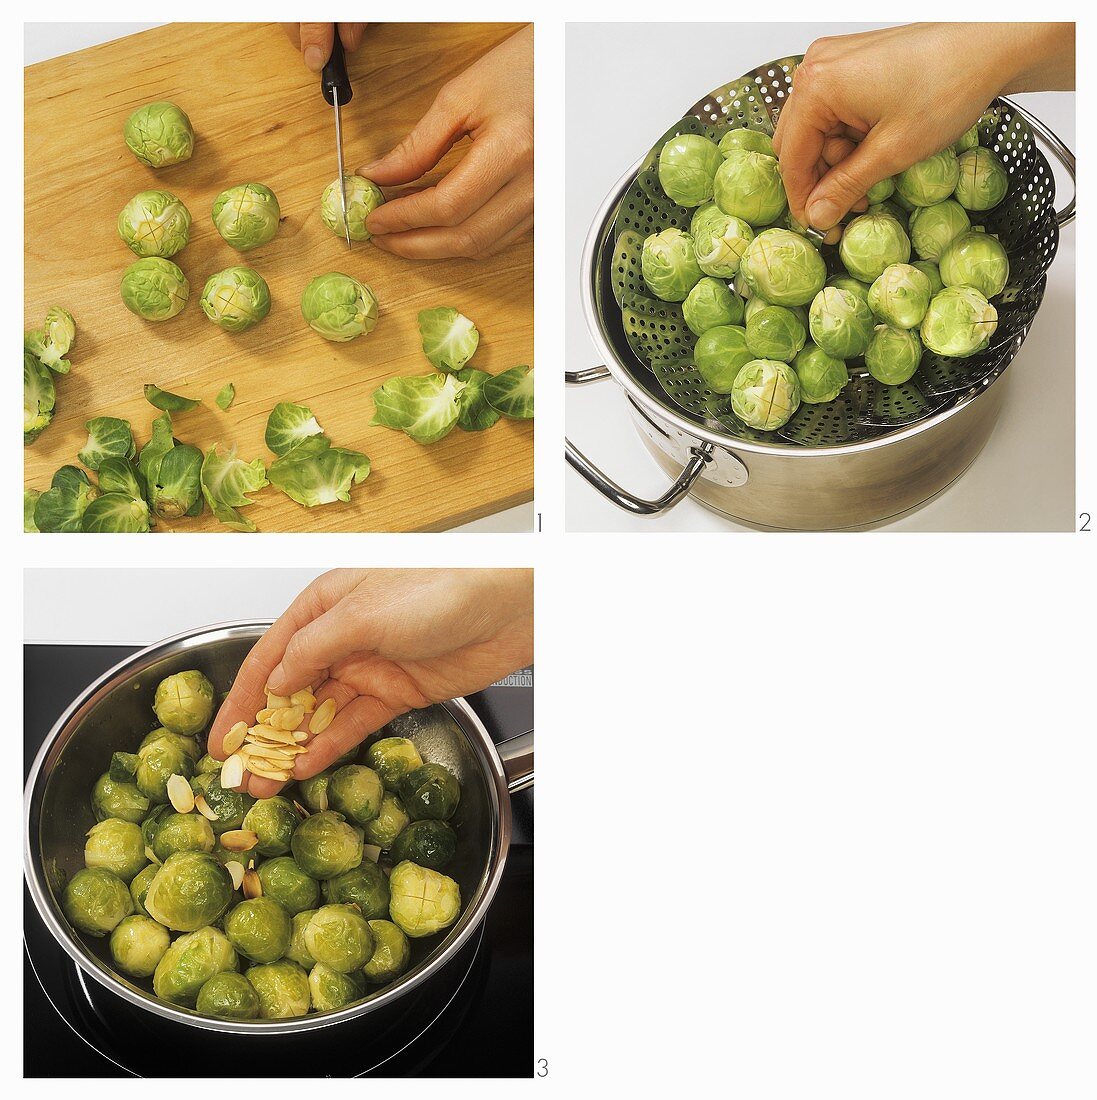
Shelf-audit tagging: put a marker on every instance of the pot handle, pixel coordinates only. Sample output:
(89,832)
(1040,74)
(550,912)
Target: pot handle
(1062,153)
(517,756)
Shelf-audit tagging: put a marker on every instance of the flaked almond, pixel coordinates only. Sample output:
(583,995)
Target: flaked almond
(288,718)
(277,702)
(264,715)
(203,807)
(371,852)
(180,795)
(322,798)
(301,809)
(304,699)
(232,772)
(234,738)
(253,885)
(239,840)
(150,855)
(270,735)
(237,871)
(300,735)
(270,758)
(279,775)
(322,717)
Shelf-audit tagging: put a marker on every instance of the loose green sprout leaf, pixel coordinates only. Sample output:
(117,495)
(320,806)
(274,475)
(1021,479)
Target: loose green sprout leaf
(115,513)
(118,475)
(168,402)
(62,506)
(30,500)
(159,134)
(288,425)
(314,472)
(225,481)
(226,397)
(425,408)
(449,337)
(174,489)
(160,442)
(511,393)
(154,223)
(339,307)
(363,197)
(108,437)
(39,398)
(475,414)
(51,343)
(247,215)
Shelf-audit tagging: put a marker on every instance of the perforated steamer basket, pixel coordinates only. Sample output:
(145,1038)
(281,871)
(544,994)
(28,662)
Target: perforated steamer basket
(875,452)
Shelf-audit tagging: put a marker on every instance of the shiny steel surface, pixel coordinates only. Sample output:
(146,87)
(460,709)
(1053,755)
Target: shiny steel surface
(339,158)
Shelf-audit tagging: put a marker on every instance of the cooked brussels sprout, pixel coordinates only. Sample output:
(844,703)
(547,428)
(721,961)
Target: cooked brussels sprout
(774,332)
(139,887)
(259,928)
(719,241)
(363,197)
(183,833)
(332,990)
(744,140)
(356,791)
(187,745)
(282,988)
(246,216)
(137,945)
(190,962)
(389,823)
(365,886)
(900,296)
(184,702)
(893,355)
(230,996)
(932,272)
(878,192)
(977,260)
(719,355)
(39,398)
(687,165)
(339,307)
(314,791)
(155,289)
(929,181)
(748,185)
(871,243)
(159,134)
(154,764)
(431,844)
(154,223)
(115,846)
(841,321)
(273,821)
(983,182)
(391,952)
(766,394)
(338,936)
(297,950)
(236,298)
(669,266)
(934,228)
(958,322)
(392,758)
(783,268)
(710,304)
(111,798)
(284,880)
(231,807)
(430,791)
(96,901)
(821,377)
(325,845)
(423,901)
(190,890)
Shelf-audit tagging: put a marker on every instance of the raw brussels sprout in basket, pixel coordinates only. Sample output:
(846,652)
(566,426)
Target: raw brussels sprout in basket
(687,166)
(765,395)
(669,265)
(262,909)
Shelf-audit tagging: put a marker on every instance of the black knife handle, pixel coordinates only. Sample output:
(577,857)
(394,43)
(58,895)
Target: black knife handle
(334,77)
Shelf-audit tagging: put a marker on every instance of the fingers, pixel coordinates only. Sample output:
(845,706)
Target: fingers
(352,725)
(316,41)
(848,181)
(351,34)
(433,137)
(801,142)
(316,646)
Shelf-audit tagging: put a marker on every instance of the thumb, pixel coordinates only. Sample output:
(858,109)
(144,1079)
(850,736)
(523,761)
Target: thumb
(422,149)
(849,180)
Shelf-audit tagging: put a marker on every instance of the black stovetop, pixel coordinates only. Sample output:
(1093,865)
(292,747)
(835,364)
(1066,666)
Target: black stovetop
(486,1029)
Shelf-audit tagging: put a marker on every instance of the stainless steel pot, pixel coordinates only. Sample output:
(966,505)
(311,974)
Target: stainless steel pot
(115,712)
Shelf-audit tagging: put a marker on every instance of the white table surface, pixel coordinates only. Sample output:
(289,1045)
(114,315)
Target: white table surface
(1024,478)
(41,41)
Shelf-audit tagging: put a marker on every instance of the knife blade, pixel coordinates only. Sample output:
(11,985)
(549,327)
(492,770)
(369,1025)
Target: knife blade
(336,89)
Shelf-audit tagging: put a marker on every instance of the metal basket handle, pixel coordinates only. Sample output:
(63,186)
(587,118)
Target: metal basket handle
(1062,154)
(701,456)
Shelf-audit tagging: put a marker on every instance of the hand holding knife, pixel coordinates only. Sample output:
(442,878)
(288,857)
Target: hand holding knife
(336,89)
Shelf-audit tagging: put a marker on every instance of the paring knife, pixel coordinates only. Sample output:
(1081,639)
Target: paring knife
(335,85)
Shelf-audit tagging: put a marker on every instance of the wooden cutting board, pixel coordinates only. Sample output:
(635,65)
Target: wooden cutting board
(259,117)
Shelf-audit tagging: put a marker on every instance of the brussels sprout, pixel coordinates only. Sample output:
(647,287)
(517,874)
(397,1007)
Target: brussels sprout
(159,134)
(282,988)
(95,901)
(743,140)
(120,799)
(668,265)
(932,272)
(766,394)
(189,963)
(188,745)
(116,846)
(155,289)
(154,223)
(283,880)
(332,990)
(431,844)
(137,945)
(339,307)
(139,887)
(52,342)
(880,191)
(364,886)
(389,823)
(184,702)
(230,996)
(391,952)
(841,321)
(719,241)
(719,354)
(969,139)
(958,322)
(893,355)
(392,758)
(246,216)
(207,765)
(687,165)
(983,182)
(259,929)
(977,260)
(62,506)
(423,901)
(325,845)
(171,471)
(231,807)
(297,950)
(39,398)
(891,208)
(363,197)
(154,764)
(338,936)
(510,392)
(190,890)
(821,377)
(872,242)
(933,228)
(430,791)
(929,181)
(273,821)
(183,833)
(314,791)
(226,480)
(748,186)
(356,792)
(774,332)
(236,298)
(900,296)
(426,409)
(783,268)
(710,304)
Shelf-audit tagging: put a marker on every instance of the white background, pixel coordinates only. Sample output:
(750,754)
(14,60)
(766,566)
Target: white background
(1024,478)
